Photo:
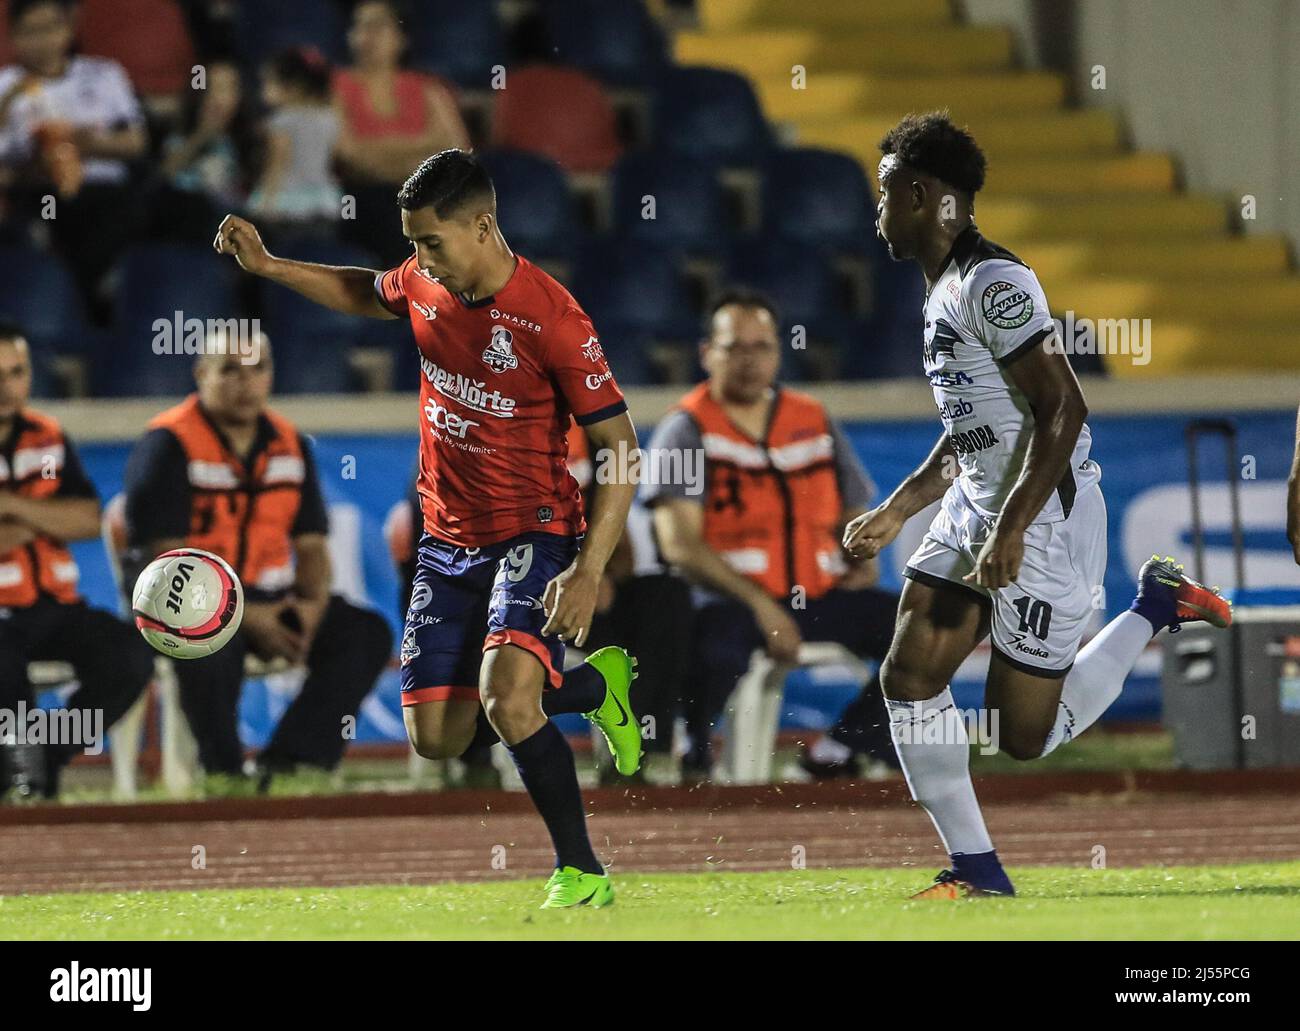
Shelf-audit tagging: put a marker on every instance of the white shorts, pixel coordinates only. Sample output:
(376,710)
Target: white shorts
(1037,621)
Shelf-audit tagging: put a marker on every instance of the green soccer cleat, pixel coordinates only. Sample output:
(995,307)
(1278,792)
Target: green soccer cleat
(570,887)
(614,716)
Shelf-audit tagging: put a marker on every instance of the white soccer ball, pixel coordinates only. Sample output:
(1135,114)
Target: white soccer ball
(188,603)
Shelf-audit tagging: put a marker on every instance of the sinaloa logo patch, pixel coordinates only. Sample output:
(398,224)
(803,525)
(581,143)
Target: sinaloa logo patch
(1006,305)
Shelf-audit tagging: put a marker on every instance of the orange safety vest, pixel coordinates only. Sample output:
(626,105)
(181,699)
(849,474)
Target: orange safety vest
(772,507)
(44,565)
(243,515)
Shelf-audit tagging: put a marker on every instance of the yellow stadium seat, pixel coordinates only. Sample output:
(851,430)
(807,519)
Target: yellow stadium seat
(768,53)
(1131,217)
(1231,258)
(1074,176)
(828,94)
(717,15)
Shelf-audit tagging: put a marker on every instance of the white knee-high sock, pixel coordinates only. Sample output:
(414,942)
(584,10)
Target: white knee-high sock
(1098,676)
(933,749)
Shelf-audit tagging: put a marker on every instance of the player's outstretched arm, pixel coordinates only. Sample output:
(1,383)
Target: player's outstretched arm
(867,535)
(1293,498)
(340,288)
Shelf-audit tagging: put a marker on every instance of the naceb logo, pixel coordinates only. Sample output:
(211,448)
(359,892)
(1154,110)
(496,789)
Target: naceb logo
(499,357)
(429,311)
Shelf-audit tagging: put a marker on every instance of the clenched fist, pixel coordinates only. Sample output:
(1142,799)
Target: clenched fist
(239,237)
(868,534)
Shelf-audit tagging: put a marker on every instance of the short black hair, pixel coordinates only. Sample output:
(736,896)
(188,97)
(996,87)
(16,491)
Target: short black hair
(930,143)
(446,182)
(743,297)
(304,67)
(18,8)
(10,329)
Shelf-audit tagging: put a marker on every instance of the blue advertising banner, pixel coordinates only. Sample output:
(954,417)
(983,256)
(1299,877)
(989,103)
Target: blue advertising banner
(1144,477)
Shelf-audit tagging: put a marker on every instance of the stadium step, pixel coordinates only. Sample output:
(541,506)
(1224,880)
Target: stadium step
(720,15)
(1276,299)
(770,53)
(1231,258)
(1186,347)
(1131,217)
(1128,173)
(830,94)
(1003,137)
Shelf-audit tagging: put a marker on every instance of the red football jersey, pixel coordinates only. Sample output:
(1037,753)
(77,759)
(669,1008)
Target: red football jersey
(500,378)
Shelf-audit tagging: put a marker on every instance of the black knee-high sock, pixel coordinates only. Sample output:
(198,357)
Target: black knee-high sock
(545,764)
(581,690)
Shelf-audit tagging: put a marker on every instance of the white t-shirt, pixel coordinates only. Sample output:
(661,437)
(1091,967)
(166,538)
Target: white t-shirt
(986,310)
(92,92)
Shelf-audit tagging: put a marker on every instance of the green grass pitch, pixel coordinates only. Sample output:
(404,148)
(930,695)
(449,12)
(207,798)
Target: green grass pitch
(1249,901)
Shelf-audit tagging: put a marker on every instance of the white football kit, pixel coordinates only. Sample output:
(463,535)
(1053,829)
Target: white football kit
(985,311)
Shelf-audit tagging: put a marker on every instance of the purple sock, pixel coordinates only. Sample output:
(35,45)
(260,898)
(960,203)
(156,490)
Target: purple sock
(1158,607)
(581,690)
(545,764)
(984,870)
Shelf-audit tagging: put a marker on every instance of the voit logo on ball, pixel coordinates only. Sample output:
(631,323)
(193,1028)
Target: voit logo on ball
(499,356)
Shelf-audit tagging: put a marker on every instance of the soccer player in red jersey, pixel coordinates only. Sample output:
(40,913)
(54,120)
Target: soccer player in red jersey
(508,567)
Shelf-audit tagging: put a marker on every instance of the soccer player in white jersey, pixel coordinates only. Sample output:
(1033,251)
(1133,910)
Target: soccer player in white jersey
(1018,548)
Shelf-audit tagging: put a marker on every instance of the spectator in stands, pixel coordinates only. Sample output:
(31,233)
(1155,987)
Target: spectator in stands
(207,158)
(297,185)
(758,528)
(46,500)
(70,126)
(392,119)
(224,472)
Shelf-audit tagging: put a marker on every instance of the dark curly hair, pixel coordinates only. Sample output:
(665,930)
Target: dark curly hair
(446,182)
(930,143)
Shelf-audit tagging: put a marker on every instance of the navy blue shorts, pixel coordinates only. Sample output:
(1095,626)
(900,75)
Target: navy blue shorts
(467,600)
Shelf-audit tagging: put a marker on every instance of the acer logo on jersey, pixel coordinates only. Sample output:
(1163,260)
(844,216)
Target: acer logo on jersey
(445,419)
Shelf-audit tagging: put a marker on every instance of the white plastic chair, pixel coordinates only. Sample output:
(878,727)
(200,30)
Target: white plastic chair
(754,709)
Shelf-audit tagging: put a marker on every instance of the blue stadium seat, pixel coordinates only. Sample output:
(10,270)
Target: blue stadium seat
(796,276)
(39,293)
(264,29)
(818,196)
(637,288)
(310,342)
(44,381)
(803,283)
(710,114)
(895,331)
(459,39)
(689,209)
(616,40)
(157,280)
(534,206)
